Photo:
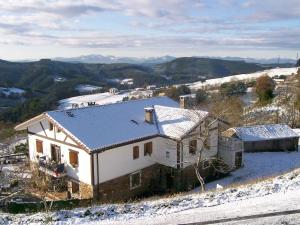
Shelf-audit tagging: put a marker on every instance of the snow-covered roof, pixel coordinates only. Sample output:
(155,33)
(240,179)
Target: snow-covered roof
(265,132)
(104,126)
(176,122)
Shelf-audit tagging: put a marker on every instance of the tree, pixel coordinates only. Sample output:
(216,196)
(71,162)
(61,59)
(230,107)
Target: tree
(201,150)
(264,88)
(201,96)
(233,88)
(298,63)
(229,109)
(175,92)
(44,186)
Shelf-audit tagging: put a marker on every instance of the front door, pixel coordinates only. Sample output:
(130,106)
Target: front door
(55,153)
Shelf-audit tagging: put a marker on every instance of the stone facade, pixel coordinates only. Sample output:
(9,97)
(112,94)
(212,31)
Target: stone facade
(156,179)
(120,188)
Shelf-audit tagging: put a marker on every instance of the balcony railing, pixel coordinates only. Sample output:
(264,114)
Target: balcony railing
(52,168)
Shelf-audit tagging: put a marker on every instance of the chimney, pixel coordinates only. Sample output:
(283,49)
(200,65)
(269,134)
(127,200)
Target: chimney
(149,114)
(187,101)
(183,100)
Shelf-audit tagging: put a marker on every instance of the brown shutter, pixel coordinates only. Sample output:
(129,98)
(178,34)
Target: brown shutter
(135,152)
(148,148)
(73,158)
(39,146)
(193,146)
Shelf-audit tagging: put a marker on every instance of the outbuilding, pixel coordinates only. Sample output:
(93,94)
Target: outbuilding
(265,138)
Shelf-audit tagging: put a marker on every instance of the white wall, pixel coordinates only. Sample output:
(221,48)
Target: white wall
(119,161)
(81,173)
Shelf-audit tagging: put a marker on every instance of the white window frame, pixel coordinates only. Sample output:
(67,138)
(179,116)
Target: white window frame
(140,183)
(203,164)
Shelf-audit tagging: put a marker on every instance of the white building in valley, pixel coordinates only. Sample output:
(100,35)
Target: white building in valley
(123,150)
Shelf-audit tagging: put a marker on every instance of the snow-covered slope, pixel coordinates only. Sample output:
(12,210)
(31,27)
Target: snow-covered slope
(271,194)
(250,76)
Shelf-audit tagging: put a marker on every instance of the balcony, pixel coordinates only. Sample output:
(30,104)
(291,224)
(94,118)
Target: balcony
(52,168)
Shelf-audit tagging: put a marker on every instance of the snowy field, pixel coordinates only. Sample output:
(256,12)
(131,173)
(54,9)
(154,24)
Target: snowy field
(249,76)
(195,207)
(12,90)
(83,88)
(100,99)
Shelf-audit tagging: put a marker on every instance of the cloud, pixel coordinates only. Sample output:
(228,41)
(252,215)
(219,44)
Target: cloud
(145,24)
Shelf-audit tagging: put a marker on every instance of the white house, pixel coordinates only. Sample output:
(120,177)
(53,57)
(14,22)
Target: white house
(122,150)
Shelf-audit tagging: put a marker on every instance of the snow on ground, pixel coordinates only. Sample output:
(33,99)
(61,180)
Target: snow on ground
(249,76)
(260,165)
(210,205)
(100,99)
(87,88)
(12,90)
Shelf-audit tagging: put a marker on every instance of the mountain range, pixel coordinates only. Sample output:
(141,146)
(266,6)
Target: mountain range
(97,58)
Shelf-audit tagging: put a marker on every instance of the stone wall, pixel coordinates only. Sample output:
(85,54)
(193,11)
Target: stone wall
(119,188)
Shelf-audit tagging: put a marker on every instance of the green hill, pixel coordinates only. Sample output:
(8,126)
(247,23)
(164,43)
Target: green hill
(193,68)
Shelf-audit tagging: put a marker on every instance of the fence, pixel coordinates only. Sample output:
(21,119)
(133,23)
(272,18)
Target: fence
(13,158)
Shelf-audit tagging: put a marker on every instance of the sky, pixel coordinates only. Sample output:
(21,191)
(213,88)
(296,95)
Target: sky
(33,29)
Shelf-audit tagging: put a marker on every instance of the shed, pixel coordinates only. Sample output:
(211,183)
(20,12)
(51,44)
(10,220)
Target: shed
(265,138)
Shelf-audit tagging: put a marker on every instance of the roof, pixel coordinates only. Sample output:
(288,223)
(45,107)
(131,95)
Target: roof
(99,127)
(265,132)
(176,122)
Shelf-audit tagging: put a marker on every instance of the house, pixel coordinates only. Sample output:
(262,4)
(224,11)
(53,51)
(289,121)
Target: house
(113,90)
(265,138)
(123,150)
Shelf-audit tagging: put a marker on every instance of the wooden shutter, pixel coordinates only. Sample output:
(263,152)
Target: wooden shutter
(193,146)
(148,148)
(73,158)
(39,146)
(136,152)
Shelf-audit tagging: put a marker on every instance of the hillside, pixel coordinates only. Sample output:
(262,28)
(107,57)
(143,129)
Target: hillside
(192,68)
(241,196)
(40,75)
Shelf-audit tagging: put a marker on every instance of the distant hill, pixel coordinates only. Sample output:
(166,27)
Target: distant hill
(114,59)
(193,68)
(40,75)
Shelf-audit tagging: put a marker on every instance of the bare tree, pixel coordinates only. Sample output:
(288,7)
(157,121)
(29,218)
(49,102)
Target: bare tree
(40,184)
(204,125)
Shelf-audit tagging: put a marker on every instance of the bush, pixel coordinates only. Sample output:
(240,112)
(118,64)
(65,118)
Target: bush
(264,88)
(233,88)
(201,96)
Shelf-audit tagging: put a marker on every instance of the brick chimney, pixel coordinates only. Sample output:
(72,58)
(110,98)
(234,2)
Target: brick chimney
(149,111)
(187,101)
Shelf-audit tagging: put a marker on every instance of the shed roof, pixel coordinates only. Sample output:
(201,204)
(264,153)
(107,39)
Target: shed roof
(264,132)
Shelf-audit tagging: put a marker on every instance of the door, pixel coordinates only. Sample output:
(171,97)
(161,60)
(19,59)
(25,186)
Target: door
(55,154)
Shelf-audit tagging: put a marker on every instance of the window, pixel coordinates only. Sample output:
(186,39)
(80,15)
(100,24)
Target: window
(167,155)
(73,158)
(58,130)
(148,148)
(238,159)
(136,152)
(50,126)
(39,146)
(205,164)
(193,146)
(135,179)
(75,187)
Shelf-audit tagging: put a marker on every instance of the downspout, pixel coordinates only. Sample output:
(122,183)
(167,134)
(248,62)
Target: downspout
(98,182)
